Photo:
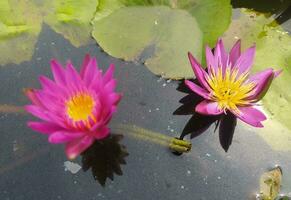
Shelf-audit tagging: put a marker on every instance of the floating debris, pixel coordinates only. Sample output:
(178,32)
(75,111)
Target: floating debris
(72,167)
(180,146)
(270,184)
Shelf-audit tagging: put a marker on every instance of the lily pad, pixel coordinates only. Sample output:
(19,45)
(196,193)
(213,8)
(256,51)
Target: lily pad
(273,50)
(159,36)
(20,24)
(72,18)
(213,16)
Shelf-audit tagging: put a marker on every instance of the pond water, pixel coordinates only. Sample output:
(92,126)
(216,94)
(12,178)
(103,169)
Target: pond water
(135,162)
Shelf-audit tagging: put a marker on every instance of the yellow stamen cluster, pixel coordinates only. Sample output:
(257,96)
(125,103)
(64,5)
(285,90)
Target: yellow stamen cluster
(230,89)
(80,107)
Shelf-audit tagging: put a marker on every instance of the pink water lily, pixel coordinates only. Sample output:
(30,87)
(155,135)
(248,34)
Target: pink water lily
(227,86)
(75,108)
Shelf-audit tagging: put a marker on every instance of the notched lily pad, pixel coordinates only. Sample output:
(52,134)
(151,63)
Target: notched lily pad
(72,18)
(273,50)
(213,16)
(159,36)
(20,24)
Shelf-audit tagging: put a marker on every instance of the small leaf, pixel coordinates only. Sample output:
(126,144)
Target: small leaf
(270,184)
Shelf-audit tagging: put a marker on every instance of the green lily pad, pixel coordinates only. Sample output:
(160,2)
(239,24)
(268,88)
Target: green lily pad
(20,24)
(159,36)
(273,50)
(72,18)
(213,16)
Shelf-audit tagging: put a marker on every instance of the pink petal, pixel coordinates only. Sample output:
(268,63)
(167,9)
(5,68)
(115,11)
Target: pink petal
(208,108)
(44,127)
(220,55)
(90,72)
(77,146)
(37,112)
(235,52)
(86,61)
(64,136)
(51,102)
(51,87)
(58,72)
(72,77)
(45,115)
(210,60)
(251,116)
(197,89)
(104,132)
(97,82)
(96,126)
(245,61)
(277,73)
(262,80)
(115,98)
(110,86)
(109,74)
(198,71)
(30,93)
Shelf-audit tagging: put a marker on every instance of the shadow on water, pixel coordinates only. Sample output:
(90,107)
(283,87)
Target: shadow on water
(198,123)
(104,158)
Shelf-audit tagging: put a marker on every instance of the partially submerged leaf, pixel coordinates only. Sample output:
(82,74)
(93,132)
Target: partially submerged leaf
(20,25)
(273,46)
(270,184)
(159,36)
(72,18)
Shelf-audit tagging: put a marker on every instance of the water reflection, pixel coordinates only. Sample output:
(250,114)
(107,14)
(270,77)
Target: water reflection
(104,158)
(198,123)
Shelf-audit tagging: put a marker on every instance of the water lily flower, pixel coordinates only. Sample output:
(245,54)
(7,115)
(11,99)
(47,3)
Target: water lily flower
(75,107)
(227,86)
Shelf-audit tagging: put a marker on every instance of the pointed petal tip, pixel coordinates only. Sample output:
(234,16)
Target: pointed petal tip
(190,56)
(278,73)
(54,61)
(71,156)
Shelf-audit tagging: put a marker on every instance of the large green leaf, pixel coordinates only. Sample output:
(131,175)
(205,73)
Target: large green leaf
(165,43)
(20,25)
(273,50)
(72,18)
(160,36)
(213,16)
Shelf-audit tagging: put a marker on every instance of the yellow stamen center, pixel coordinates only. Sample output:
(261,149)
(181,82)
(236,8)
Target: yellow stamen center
(80,106)
(230,89)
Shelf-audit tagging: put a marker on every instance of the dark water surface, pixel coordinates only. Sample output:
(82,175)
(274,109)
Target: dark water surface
(33,169)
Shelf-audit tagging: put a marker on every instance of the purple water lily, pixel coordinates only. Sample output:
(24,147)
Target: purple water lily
(227,86)
(75,108)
